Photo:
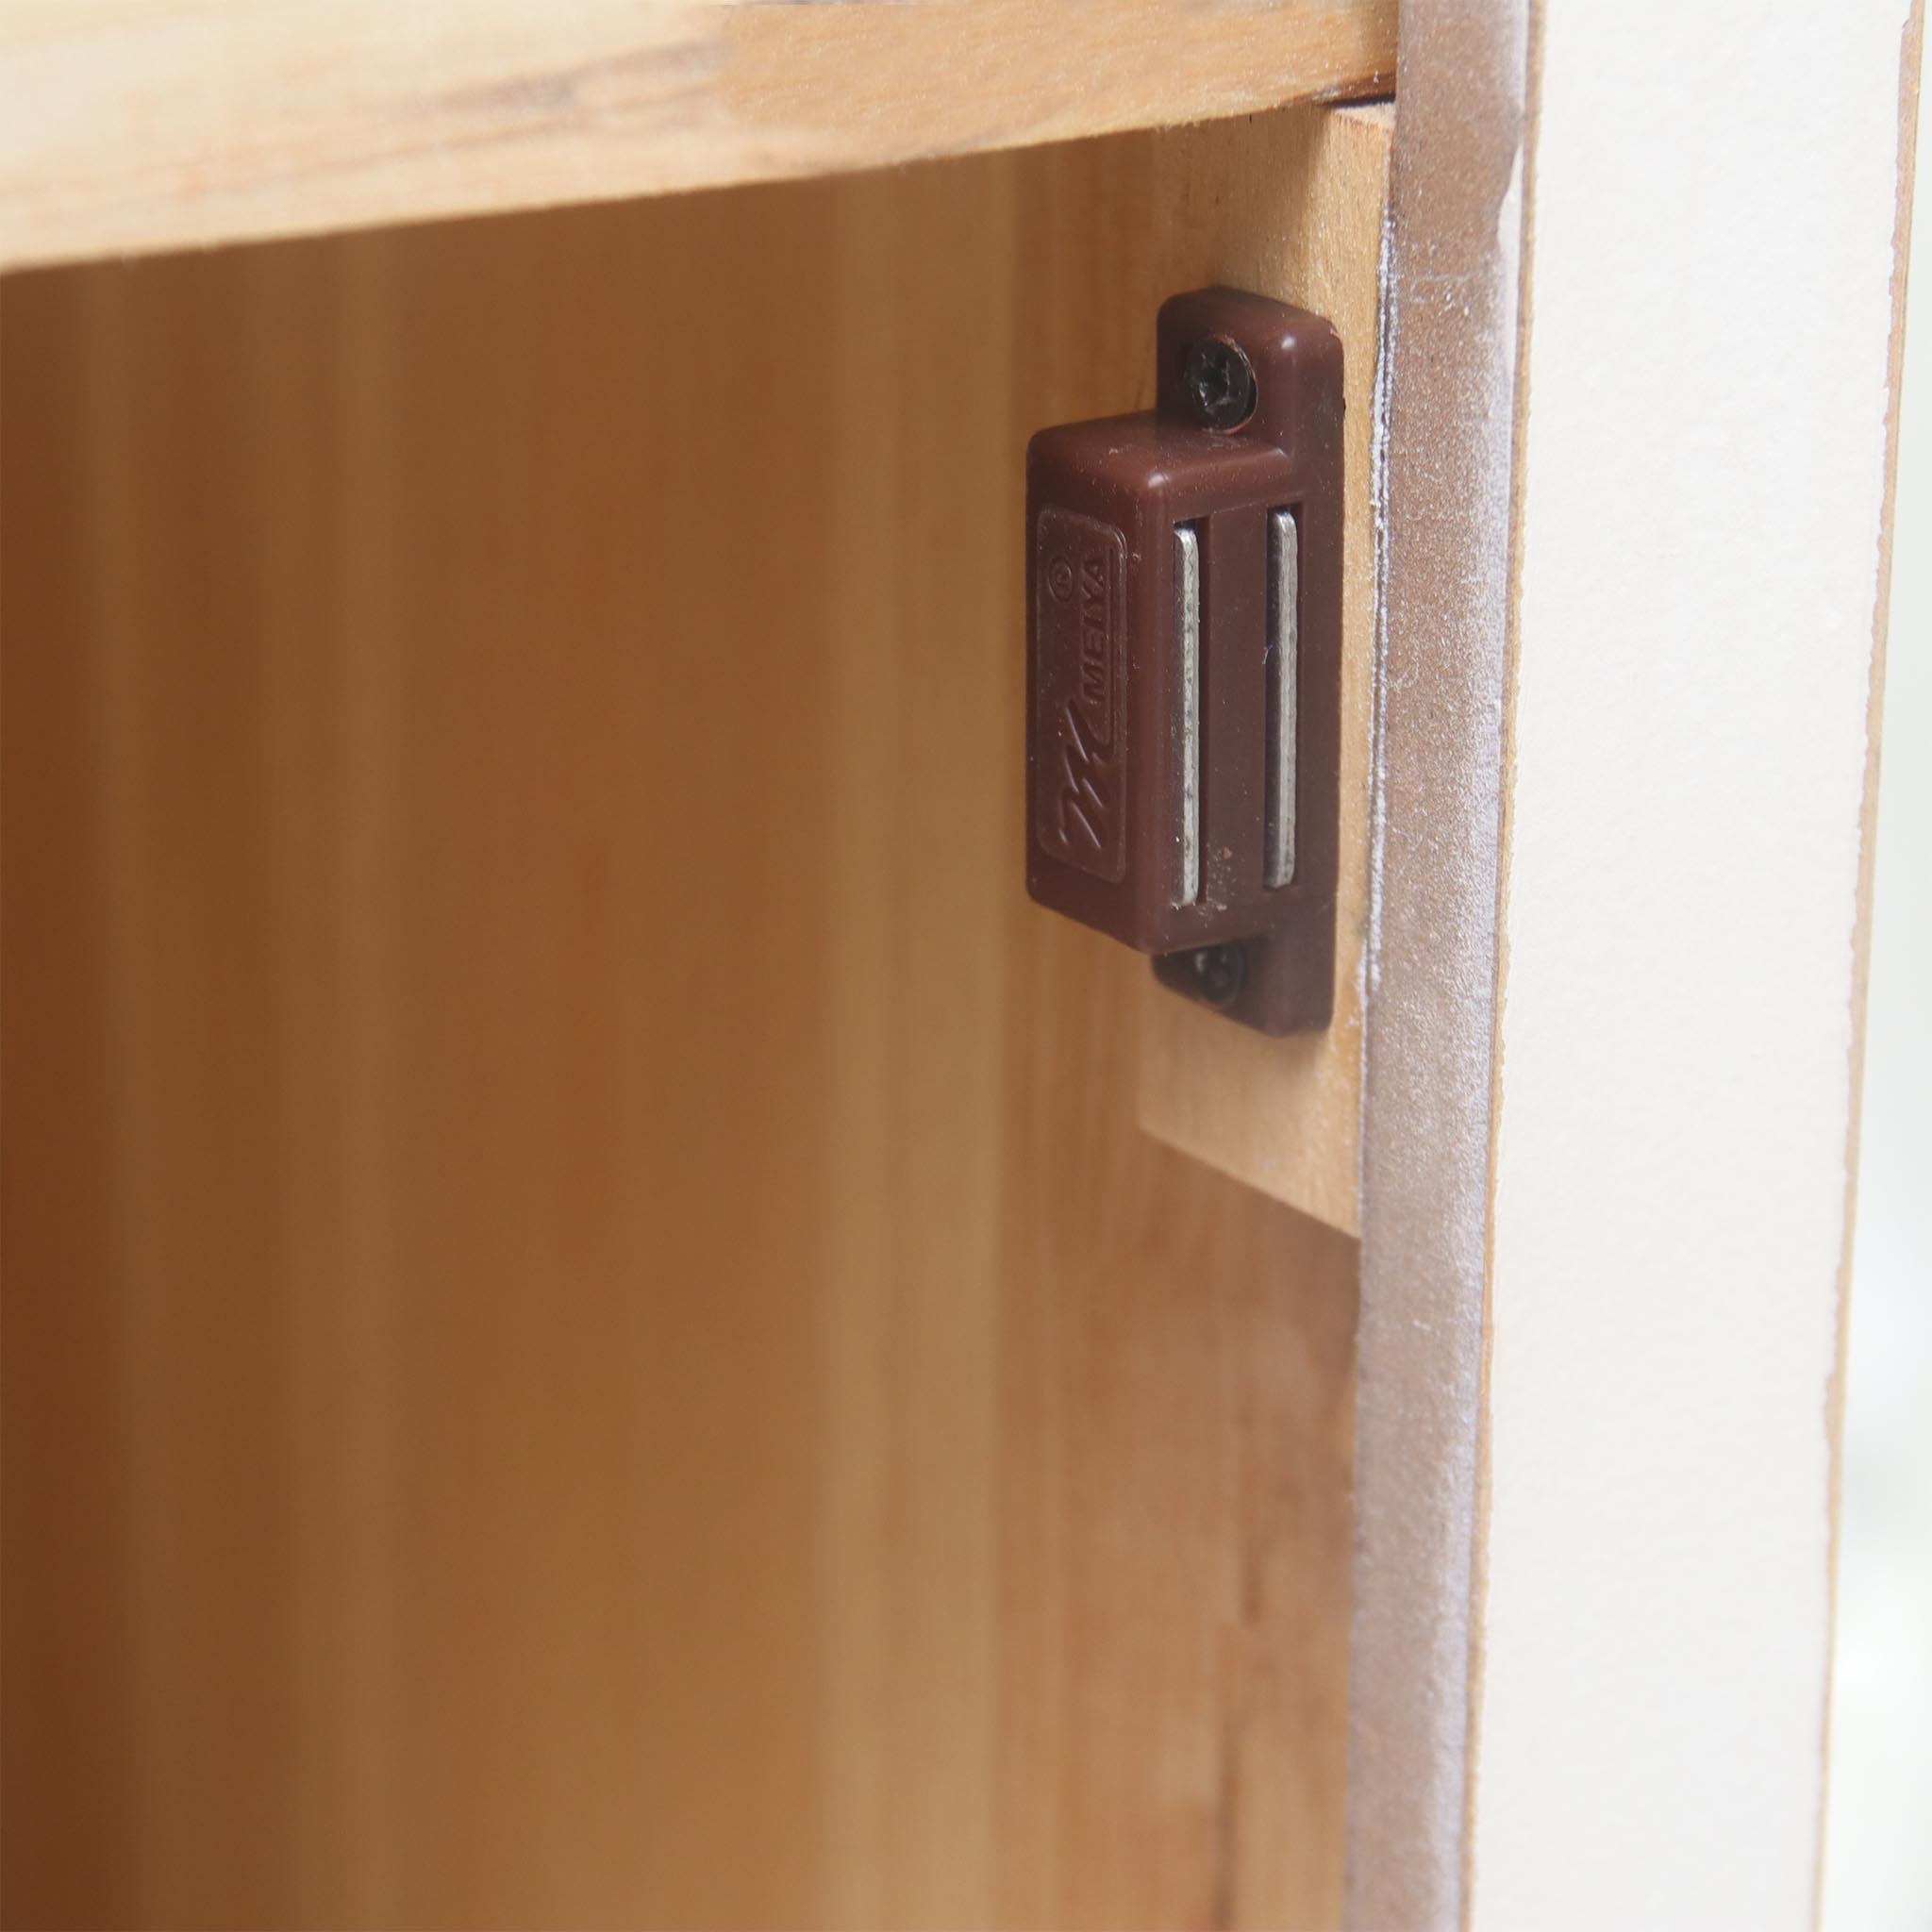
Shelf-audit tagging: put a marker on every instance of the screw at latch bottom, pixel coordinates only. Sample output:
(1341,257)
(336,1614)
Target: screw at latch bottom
(1218,972)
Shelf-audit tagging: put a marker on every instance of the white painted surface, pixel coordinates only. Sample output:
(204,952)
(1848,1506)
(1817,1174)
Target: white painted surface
(1878,1844)
(1713,194)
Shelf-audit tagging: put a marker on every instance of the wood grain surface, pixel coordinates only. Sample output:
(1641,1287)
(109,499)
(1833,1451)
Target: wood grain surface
(1285,1115)
(130,126)
(589,1337)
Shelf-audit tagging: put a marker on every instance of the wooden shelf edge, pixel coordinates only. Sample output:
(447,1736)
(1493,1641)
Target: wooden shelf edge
(134,127)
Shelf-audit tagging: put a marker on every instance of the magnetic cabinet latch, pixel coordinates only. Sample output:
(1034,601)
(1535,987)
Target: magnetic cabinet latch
(1184,662)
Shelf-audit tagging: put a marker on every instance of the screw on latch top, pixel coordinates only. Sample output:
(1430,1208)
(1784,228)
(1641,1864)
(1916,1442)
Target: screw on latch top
(1218,382)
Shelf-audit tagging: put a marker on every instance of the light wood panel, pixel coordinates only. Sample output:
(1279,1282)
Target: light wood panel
(588,1338)
(130,125)
(1285,1115)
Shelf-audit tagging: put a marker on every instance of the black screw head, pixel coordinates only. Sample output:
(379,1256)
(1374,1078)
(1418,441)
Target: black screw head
(1218,972)
(1219,383)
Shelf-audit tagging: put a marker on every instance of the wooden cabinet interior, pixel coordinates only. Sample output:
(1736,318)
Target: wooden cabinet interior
(589,1335)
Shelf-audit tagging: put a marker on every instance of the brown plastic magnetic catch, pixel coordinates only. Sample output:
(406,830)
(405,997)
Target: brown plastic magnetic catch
(1184,662)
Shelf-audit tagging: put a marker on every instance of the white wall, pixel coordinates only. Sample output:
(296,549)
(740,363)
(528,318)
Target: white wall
(1878,1849)
(1709,289)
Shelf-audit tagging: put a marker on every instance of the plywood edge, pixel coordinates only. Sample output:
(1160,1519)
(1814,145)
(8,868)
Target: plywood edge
(1451,396)
(1285,1115)
(131,128)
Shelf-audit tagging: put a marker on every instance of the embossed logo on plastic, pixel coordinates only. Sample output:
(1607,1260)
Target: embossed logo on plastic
(1079,782)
